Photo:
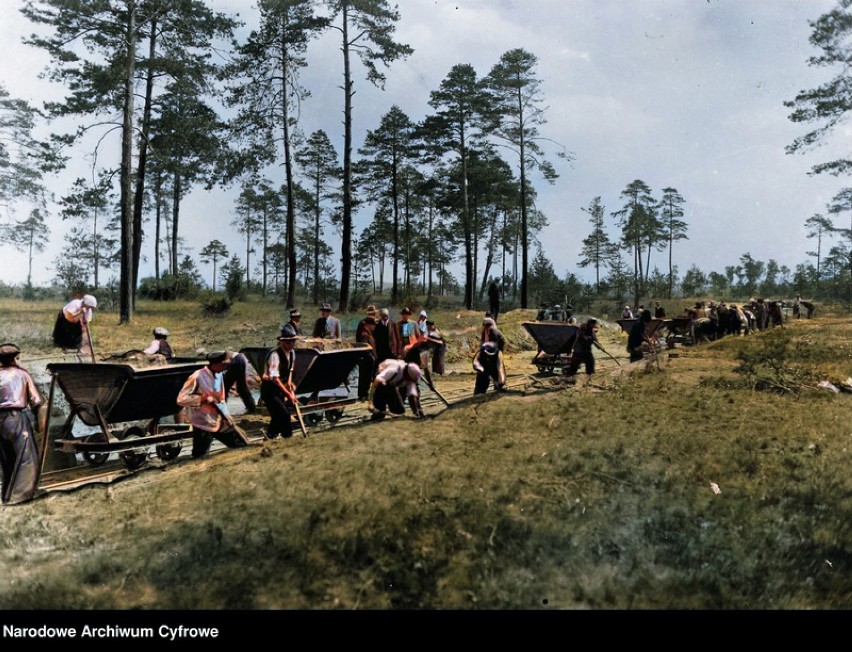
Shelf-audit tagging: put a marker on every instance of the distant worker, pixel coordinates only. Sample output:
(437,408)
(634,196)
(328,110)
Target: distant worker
(407,330)
(203,394)
(798,304)
(367,364)
(586,339)
(386,335)
(494,300)
(488,365)
(396,381)
(543,312)
(159,346)
(18,454)
(659,311)
(296,321)
(71,330)
(277,388)
(637,339)
(627,313)
(326,326)
(421,323)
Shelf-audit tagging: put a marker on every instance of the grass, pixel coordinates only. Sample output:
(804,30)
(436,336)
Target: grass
(573,499)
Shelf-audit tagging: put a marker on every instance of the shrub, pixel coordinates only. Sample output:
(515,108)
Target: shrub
(214,304)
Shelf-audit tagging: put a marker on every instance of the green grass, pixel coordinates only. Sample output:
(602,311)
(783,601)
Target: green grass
(572,499)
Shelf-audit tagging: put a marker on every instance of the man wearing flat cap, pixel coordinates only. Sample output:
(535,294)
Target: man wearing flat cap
(326,327)
(296,321)
(277,388)
(18,454)
(203,395)
(160,346)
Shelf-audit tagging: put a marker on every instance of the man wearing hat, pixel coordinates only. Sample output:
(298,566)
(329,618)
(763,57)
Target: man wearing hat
(159,345)
(71,330)
(203,395)
(367,364)
(326,327)
(18,455)
(386,334)
(421,323)
(296,321)
(394,380)
(277,388)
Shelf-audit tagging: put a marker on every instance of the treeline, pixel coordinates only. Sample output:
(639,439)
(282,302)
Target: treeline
(164,98)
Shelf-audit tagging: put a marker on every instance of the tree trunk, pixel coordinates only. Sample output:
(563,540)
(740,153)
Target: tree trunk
(346,245)
(288,167)
(127,278)
(143,158)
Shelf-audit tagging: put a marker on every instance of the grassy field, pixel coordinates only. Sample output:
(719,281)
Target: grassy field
(596,496)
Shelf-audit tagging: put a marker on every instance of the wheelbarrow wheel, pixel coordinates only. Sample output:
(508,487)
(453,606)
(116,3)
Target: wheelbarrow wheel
(133,458)
(168,452)
(333,416)
(313,418)
(95,459)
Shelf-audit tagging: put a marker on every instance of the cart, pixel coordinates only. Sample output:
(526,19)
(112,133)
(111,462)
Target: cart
(321,379)
(651,330)
(124,405)
(555,341)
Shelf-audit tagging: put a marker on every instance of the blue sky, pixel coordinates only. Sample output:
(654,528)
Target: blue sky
(682,93)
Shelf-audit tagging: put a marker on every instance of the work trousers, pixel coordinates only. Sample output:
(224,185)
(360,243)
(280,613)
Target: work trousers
(279,416)
(18,455)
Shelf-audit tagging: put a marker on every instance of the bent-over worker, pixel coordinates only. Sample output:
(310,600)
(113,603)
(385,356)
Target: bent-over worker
(203,394)
(394,379)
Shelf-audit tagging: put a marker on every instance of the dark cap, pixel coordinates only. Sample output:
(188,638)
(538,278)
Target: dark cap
(326,306)
(371,311)
(217,356)
(405,311)
(9,349)
(295,313)
(287,333)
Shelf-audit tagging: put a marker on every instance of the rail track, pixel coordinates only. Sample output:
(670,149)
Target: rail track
(434,402)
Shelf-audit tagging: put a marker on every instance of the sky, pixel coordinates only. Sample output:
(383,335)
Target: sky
(678,93)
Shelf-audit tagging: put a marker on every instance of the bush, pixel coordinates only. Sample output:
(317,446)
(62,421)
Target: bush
(214,304)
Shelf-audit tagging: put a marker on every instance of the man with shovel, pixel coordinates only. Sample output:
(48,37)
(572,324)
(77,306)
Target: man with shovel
(277,388)
(203,394)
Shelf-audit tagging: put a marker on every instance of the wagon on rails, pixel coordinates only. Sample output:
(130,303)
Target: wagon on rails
(321,379)
(127,409)
(654,328)
(555,341)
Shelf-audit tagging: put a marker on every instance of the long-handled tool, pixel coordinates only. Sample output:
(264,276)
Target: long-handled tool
(85,325)
(431,386)
(227,417)
(295,401)
(610,355)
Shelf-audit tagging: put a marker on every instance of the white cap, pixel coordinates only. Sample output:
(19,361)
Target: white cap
(423,313)
(89,301)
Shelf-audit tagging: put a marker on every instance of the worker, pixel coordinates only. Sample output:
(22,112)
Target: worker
(71,330)
(159,348)
(395,379)
(586,339)
(326,326)
(637,339)
(203,395)
(488,364)
(18,454)
(277,388)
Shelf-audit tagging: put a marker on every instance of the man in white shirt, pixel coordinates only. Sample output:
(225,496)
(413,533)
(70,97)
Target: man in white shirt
(396,379)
